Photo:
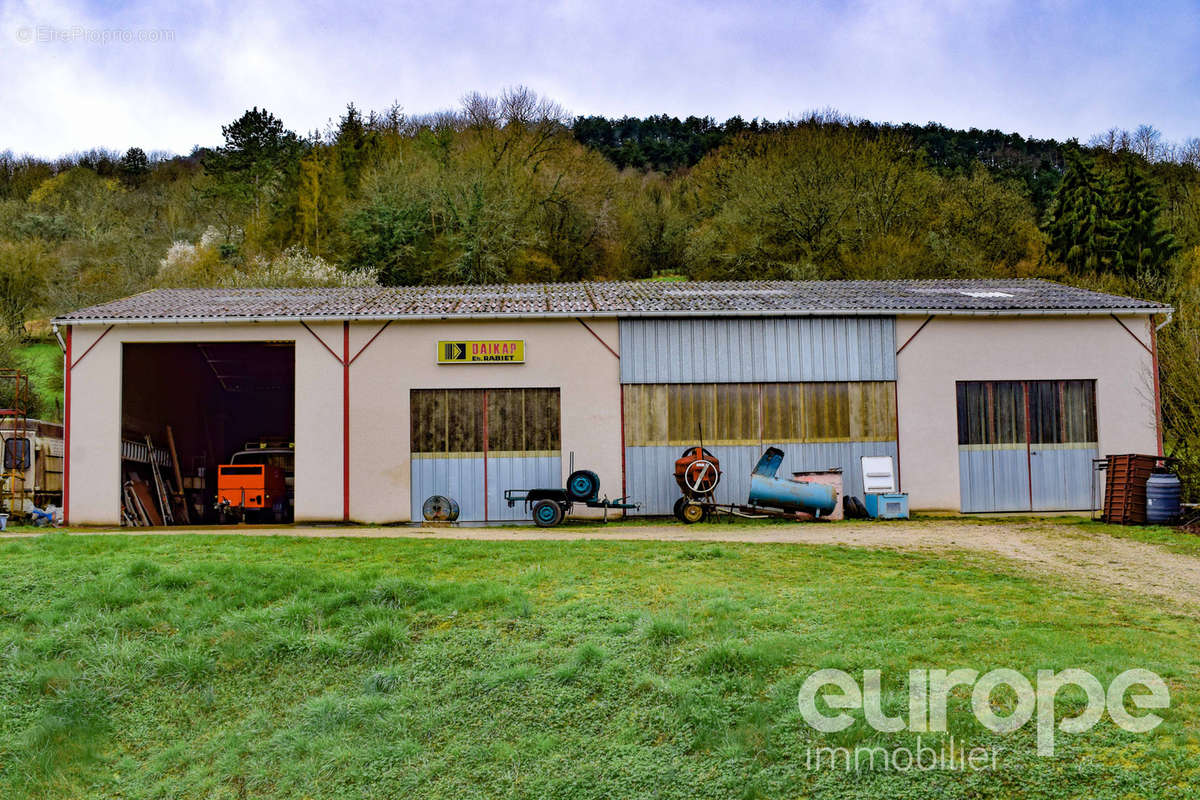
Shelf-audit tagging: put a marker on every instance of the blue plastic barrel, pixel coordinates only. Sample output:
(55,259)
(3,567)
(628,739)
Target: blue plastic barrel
(1163,492)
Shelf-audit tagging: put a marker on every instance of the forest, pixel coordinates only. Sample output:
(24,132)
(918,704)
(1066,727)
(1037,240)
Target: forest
(511,188)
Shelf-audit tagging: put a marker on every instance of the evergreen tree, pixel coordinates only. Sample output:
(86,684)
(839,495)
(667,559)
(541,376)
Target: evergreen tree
(257,151)
(1146,247)
(133,167)
(1085,233)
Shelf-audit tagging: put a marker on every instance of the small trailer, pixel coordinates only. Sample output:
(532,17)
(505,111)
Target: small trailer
(549,507)
(698,472)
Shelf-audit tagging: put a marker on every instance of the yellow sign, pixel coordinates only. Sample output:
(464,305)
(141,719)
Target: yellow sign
(511,351)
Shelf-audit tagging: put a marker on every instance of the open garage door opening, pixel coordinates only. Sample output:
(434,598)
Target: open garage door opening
(208,432)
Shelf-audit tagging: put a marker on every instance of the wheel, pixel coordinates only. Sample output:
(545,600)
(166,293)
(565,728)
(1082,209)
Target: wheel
(547,514)
(692,513)
(678,509)
(583,485)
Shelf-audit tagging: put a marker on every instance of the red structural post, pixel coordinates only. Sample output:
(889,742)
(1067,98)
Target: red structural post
(346,421)
(485,455)
(67,428)
(1158,428)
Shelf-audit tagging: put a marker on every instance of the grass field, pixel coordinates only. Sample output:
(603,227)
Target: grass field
(206,666)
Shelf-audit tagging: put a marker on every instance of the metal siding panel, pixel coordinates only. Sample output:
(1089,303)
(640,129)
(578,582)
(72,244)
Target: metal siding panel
(887,356)
(1062,479)
(994,479)
(648,478)
(460,479)
(1011,471)
(519,472)
(776,349)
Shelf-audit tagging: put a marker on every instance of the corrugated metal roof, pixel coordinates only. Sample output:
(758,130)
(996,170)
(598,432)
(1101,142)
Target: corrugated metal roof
(612,299)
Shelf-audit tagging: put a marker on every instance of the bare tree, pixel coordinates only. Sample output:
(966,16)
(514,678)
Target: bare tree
(1147,143)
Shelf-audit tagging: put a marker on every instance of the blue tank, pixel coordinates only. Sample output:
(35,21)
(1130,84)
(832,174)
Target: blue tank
(768,491)
(1163,492)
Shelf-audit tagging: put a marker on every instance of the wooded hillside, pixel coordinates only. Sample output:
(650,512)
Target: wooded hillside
(510,188)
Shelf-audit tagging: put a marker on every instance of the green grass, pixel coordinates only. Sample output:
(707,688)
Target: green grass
(204,666)
(44,361)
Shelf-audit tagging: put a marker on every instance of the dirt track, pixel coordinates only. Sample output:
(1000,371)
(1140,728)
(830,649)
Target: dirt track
(1115,565)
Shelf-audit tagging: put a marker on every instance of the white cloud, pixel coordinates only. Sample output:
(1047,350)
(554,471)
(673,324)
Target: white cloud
(1055,69)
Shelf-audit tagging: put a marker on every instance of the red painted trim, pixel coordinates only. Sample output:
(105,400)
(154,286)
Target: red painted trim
(616,355)
(1134,335)
(67,428)
(1158,426)
(485,455)
(369,342)
(896,410)
(624,491)
(345,421)
(908,341)
(340,359)
(93,344)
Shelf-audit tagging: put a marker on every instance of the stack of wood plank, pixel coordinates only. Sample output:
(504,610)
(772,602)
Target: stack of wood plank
(1125,488)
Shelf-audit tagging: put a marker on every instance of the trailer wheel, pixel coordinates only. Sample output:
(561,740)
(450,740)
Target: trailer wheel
(583,485)
(692,513)
(547,514)
(677,510)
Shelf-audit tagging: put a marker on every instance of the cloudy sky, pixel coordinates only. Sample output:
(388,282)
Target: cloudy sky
(160,76)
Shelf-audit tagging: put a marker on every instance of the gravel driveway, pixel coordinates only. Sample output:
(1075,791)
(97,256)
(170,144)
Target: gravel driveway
(1117,566)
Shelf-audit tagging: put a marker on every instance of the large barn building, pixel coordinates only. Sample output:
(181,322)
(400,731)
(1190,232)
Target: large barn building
(992,396)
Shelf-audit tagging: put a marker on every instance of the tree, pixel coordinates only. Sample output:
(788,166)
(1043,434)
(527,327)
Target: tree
(25,269)
(257,151)
(318,195)
(1084,231)
(1146,247)
(133,167)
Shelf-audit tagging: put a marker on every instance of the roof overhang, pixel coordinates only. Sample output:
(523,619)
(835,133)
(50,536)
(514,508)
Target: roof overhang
(552,315)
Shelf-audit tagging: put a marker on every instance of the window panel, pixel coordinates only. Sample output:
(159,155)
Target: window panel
(691,413)
(451,420)
(542,419)
(1079,412)
(826,412)
(645,414)
(872,411)
(1007,424)
(782,412)
(427,412)
(736,414)
(998,412)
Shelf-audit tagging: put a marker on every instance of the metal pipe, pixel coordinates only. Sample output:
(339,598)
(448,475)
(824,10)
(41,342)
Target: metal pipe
(61,344)
(1170,314)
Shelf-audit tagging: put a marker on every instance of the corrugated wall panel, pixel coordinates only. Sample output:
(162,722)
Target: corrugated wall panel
(747,350)
(649,479)
(1062,478)
(519,472)
(993,479)
(460,479)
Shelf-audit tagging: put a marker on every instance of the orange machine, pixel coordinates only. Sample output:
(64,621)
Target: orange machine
(243,488)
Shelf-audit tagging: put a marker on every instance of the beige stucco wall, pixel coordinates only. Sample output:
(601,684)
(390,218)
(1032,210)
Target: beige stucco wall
(95,409)
(951,349)
(564,354)
(559,353)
